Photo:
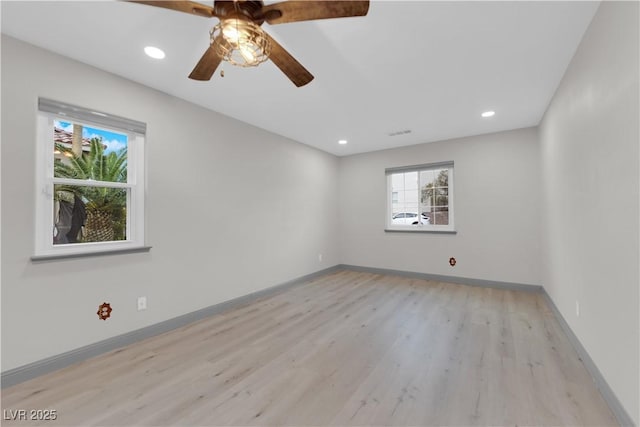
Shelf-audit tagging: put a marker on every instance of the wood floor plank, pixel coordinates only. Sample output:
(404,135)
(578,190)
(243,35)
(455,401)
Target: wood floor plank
(347,348)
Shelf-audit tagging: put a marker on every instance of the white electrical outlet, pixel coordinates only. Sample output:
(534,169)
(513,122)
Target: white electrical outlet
(577,308)
(319,257)
(142,303)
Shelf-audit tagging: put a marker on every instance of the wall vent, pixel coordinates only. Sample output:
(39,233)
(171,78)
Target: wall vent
(400,132)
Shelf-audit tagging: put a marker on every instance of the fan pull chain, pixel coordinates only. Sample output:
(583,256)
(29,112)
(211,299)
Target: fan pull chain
(222,71)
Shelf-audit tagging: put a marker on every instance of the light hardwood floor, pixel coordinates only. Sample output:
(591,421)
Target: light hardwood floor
(347,348)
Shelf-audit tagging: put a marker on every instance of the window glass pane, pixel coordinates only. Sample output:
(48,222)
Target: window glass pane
(84,152)
(397,182)
(89,214)
(404,198)
(426,178)
(441,217)
(411,180)
(434,195)
(410,194)
(441,178)
(441,196)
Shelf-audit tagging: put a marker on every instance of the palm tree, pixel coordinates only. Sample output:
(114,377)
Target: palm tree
(106,207)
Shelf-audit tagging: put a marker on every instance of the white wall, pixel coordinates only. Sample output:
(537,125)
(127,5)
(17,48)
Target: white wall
(589,148)
(497,211)
(231,209)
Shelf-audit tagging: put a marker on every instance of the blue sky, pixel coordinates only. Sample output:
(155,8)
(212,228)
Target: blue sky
(114,141)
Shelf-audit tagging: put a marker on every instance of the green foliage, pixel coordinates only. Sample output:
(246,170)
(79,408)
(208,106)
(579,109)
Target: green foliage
(438,191)
(98,166)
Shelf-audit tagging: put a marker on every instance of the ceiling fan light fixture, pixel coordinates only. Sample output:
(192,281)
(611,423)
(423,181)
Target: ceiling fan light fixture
(230,32)
(241,42)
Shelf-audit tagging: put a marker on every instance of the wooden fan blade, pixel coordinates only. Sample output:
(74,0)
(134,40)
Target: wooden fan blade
(191,7)
(207,65)
(294,11)
(288,64)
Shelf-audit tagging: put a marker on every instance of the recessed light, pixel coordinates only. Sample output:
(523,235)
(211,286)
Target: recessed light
(154,52)
(488,113)
(342,141)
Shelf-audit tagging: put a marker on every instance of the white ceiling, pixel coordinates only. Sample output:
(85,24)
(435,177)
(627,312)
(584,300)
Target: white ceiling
(430,67)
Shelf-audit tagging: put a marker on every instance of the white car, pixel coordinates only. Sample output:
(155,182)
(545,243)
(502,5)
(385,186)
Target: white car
(409,218)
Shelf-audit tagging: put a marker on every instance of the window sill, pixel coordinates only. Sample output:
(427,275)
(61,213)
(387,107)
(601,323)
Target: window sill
(51,257)
(418,230)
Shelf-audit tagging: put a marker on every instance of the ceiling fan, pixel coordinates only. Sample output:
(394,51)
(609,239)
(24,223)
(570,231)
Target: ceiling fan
(239,39)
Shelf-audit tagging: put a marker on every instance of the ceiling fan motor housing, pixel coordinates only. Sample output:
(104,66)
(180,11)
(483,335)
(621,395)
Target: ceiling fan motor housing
(249,10)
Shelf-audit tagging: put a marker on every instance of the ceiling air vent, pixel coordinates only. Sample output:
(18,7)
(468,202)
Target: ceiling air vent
(400,132)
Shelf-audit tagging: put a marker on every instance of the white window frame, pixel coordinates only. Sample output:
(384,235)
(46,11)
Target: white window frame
(449,228)
(49,111)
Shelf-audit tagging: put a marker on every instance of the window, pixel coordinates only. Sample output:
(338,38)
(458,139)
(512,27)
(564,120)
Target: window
(420,198)
(90,174)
